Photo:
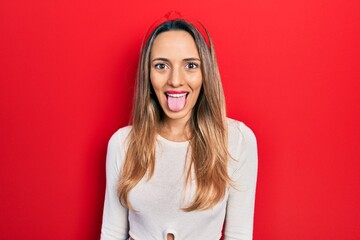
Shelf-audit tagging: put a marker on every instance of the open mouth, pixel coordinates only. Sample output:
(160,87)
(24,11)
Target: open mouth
(176,100)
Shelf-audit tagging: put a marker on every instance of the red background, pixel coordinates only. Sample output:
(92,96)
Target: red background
(290,71)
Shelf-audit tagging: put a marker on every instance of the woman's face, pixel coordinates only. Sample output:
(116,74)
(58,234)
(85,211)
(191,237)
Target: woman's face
(175,73)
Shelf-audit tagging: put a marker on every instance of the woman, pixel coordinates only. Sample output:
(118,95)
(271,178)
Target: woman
(182,168)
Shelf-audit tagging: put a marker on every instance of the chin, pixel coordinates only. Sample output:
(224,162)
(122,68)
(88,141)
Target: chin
(180,115)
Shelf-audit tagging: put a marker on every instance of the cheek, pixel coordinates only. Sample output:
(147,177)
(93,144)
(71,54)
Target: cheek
(156,80)
(196,82)
(153,81)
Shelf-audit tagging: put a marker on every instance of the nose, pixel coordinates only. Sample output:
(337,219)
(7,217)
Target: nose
(176,78)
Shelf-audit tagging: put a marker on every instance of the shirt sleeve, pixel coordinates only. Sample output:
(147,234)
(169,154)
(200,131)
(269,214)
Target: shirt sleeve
(115,216)
(240,205)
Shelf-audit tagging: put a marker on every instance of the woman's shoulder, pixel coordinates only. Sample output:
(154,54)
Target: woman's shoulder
(242,147)
(120,136)
(239,132)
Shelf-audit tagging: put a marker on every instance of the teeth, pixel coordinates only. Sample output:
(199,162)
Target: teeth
(176,95)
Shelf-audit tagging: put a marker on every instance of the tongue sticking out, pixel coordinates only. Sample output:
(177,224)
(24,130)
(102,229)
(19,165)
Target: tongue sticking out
(176,103)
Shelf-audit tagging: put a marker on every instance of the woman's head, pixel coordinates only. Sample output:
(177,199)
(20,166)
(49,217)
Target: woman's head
(175,74)
(210,93)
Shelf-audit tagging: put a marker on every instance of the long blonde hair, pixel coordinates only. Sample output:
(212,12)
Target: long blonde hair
(208,142)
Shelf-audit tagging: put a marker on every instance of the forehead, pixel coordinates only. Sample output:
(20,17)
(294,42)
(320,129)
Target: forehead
(174,43)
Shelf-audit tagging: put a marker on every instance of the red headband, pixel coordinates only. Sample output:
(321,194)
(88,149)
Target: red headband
(173,15)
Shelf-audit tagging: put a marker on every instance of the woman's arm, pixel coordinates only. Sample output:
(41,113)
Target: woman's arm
(240,205)
(115,216)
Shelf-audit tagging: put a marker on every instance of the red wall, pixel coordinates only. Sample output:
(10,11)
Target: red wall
(291,71)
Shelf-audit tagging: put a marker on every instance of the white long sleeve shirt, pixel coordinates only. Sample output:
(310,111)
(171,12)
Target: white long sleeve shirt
(157,202)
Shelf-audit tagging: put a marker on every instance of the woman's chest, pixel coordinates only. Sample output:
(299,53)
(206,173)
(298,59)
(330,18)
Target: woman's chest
(166,187)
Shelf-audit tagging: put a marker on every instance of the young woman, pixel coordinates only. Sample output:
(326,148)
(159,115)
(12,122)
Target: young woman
(182,168)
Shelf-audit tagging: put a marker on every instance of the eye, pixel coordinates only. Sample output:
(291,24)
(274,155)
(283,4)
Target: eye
(192,65)
(160,66)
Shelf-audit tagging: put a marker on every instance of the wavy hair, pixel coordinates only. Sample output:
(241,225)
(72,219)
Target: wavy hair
(207,124)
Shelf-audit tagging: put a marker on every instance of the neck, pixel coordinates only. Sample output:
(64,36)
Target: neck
(174,130)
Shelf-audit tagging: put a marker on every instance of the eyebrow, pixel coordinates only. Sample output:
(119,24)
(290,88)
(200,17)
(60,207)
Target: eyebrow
(192,59)
(167,60)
